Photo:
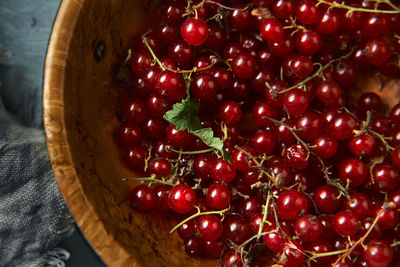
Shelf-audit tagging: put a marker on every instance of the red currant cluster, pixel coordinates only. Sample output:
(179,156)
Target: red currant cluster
(242,116)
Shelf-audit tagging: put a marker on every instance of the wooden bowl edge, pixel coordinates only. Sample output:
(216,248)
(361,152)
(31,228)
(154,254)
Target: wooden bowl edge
(57,141)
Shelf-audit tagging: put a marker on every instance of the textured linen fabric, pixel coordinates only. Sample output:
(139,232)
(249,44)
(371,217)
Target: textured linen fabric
(33,215)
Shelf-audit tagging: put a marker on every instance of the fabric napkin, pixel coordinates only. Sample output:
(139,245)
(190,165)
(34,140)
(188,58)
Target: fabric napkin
(33,215)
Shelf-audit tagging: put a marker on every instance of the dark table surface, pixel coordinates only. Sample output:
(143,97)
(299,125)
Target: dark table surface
(25,28)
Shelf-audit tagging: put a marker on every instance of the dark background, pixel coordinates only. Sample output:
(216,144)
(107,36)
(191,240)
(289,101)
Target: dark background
(25,27)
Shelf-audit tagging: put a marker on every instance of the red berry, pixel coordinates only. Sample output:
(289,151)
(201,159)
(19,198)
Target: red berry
(134,110)
(292,254)
(283,9)
(202,165)
(155,128)
(296,156)
(376,25)
(243,65)
(327,198)
(222,170)
(177,138)
(231,258)
(328,23)
(388,219)
(342,126)
(218,196)
(214,248)
(263,142)
(325,146)
(236,229)
(161,192)
(187,229)
(262,110)
(203,86)
(271,30)
(309,125)
(216,37)
(308,228)
(135,157)
(385,177)
(171,85)
(141,61)
(292,204)
(129,134)
(157,105)
(194,31)
(241,161)
(240,17)
(180,52)
(307,12)
(143,197)
(230,112)
(345,223)
(321,246)
(352,171)
(159,167)
(308,42)
(182,198)
(295,102)
(376,51)
(275,240)
(209,227)
(362,145)
(396,157)
(395,114)
(378,253)
(329,91)
(193,246)
(359,204)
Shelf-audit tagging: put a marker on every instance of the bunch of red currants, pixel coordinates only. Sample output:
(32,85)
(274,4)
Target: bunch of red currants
(247,117)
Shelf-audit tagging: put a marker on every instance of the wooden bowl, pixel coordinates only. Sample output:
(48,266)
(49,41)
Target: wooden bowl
(89,39)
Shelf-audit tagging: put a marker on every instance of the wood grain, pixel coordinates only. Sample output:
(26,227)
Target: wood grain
(79,113)
(79,103)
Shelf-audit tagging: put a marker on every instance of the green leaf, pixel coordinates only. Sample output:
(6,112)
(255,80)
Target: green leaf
(207,136)
(184,115)
(226,156)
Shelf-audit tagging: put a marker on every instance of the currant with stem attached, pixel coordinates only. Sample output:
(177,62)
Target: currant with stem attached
(295,168)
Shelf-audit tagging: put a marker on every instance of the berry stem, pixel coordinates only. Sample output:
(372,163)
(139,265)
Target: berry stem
(309,78)
(395,244)
(292,130)
(382,138)
(343,190)
(146,161)
(346,252)
(365,123)
(320,69)
(152,53)
(265,214)
(151,179)
(191,152)
(259,165)
(243,245)
(359,9)
(199,213)
(359,241)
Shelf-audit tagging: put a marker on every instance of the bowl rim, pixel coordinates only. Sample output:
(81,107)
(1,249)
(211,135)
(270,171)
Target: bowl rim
(90,223)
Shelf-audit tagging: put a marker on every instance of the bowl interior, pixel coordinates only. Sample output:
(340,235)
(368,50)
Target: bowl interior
(89,40)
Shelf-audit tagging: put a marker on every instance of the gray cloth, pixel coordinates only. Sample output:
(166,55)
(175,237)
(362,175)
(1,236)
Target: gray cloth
(33,215)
